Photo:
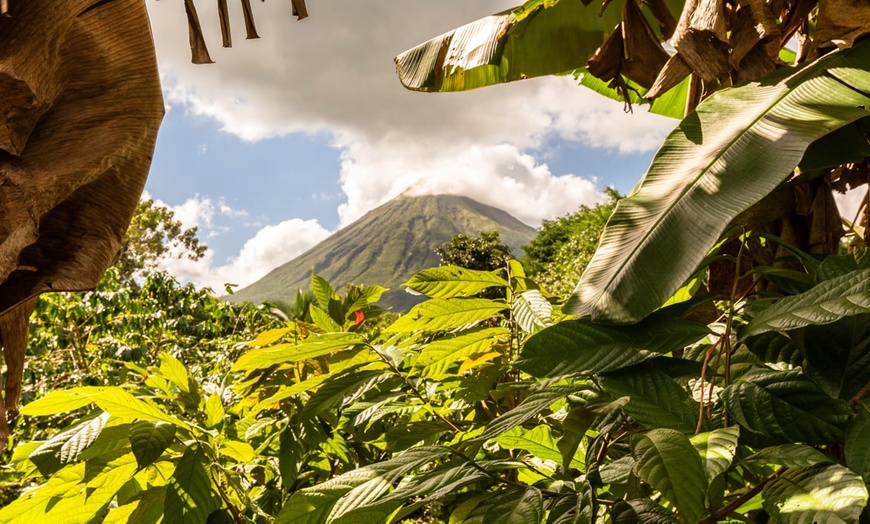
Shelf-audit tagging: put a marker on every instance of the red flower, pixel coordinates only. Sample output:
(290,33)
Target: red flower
(359,317)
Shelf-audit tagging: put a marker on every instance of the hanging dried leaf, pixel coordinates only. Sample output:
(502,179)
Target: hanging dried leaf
(250,28)
(198,49)
(299,9)
(794,17)
(224,16)
(701,38)
(607,60)
(754,65)
(14,328)
(674,71)
(4,7)
(643,55)
(753,23)
(72,182)
(841,22)
(667,22)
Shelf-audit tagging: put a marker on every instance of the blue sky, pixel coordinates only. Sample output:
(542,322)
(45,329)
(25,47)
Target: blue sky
(287,138)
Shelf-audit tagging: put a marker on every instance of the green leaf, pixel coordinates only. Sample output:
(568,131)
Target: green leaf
(641,510)
(857,451)
(532,311)
(323,320)
(837,355)
(737,147)
(311,347)
(241,452)
(149,440)
(788,455)
(517,507)
(582,347)
(538,441)
(123,405)
(528,408)
(655,399)
(667,461)
(188,493)
(66,446)
(786,405)
(323,291)
(539,38)
(174,371)
(214,411)
(341,390)
(440,314)
(61,401)
(716,449)
(822,493)
(404,436)
(440,354)
(453,281)
(827,302)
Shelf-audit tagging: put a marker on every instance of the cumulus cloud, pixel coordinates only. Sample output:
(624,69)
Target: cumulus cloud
(272,246)
(335,73)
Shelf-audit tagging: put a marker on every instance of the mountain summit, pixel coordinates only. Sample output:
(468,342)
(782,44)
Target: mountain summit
(387,246)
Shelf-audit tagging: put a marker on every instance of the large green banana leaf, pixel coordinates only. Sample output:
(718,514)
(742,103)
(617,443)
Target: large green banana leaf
(738,146)
(538,38)
(541,37)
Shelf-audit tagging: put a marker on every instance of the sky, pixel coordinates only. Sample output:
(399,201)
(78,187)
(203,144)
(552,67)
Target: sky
(288,138)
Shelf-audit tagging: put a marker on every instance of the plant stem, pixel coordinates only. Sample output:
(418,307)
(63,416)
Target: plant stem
(742,499)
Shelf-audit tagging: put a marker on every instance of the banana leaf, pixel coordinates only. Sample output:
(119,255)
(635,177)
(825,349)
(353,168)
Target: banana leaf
(738,146)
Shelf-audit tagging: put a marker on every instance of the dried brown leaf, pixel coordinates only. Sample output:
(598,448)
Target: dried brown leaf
(299,9)
(250,28)
(841,22)
(674,71)
(198,49)
(224,16)
(701,38)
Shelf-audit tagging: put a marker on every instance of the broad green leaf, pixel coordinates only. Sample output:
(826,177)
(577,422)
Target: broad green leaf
(311,347)
(269,337)
(517,507)
(786,405)
(150,506)
(124,405)
(323,291)
(738,146)
(827,302)
(342,389)
(323,319)
(66,446)
(188,494)
(149,440)
(538,441)
(241,452)
(827,493)
(837,355)
(453,281)
(531,406)
(716,449)
(532,311)
(441,314)
(313,505)
(174,371)
(539,38)
(61,401)
(214,411)
(641,511)
(788,455)
(582,347)
(857,449)
(667,461)
(671,104)
(655,399)
(437,356)
(404,436)
(834,266)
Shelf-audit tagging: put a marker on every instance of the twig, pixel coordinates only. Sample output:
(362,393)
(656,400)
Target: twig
(860,396)
(742,499)
(414,388)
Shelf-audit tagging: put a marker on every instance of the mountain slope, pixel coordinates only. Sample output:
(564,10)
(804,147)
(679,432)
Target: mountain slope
(387,246)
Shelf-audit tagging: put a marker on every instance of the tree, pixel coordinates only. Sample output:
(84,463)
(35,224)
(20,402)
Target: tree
(563,247)
(154,234)
(484,252)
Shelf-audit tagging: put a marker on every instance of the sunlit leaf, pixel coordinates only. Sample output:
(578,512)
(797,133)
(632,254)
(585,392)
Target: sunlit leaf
(453,281)
(822,493)
(61,401)
(786,405)
(441,314)
(827,302)
(737,147)
(788,455)
(437,356)
(311,347)
(517,507)
(532,311)
(188,494)
(582,347)
(717,449)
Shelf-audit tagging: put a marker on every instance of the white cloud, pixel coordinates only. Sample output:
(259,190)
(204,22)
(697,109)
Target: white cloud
(270,247)
(334,72)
